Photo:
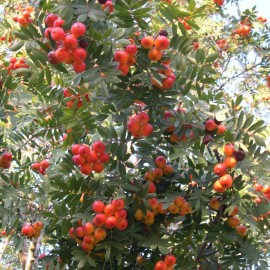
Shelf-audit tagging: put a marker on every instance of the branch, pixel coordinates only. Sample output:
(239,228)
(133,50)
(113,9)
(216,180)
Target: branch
(30,255)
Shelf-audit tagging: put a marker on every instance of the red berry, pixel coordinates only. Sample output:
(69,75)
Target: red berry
(50,19)
(78,29)
(79,54)
(70,42)
(57,34)
(98,206)
(131,49)
(79,67)
(99,147)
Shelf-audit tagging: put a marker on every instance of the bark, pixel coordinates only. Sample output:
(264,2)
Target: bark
(31,255)
(23,253)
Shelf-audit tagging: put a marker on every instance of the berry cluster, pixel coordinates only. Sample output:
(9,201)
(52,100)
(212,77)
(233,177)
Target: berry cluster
(67,43)
(184,22)
(126,58)
(90,159)
(41,167)
(4,38)
(107,5)
(265,190)
(244,29)
(155,174)
(219,2)
(222,44)
(231,157)
(179,206)
(25,16)
(170,117)
(262,19)
(212,127)
(32,230)
(75,98)
(138,125)
(15,63)
(234,222)
(110,216)
(5,160)
(167,264)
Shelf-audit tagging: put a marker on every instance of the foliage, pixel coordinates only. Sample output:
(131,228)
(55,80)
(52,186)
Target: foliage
(226,84)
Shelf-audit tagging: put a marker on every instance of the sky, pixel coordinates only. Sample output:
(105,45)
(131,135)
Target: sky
(263,7)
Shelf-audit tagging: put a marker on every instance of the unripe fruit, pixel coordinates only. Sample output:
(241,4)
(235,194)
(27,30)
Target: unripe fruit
(78,29)
(220,169)
(147,42)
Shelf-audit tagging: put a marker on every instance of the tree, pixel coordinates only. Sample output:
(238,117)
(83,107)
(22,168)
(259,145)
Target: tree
(129,136)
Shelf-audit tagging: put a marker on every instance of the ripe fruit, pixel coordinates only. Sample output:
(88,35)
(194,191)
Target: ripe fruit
(99,147)
(121,56)
(228,149)
(79,231)
(160,265)
(28,230)
(226,181)
(220,169)
(57,34)
(162,43)
(221,129)
(38,225)
(241,230)
(70,42)
(78,29)
(89,228)
(100,234)
(170,260)
(98,207)
(118,204)
(154,54)
(147,42)
(44,164)
(131,49)
(210,125)
(233,221)
(122,224)
(111,222)
(239,155)
(50,19)
(99,220)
